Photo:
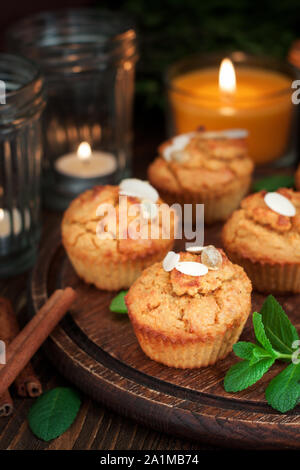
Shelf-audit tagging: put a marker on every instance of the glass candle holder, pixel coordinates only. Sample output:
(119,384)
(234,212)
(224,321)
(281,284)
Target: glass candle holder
(258,98)
(21,105)
(88,58)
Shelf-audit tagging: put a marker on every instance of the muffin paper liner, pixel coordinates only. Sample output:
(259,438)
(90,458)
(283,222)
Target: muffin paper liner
(269,277)
(114,276)
(215,208)
(187,354)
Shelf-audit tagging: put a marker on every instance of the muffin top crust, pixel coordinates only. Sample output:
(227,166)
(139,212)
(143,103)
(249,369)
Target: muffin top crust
(186,308)
(91,225)
(201,162)
(257,232)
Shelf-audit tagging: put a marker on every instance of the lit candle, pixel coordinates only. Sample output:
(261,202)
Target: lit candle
(86,163)
(5,223)
(227,79)
(248,97)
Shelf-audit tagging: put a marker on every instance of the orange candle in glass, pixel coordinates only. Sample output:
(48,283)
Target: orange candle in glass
(242,96)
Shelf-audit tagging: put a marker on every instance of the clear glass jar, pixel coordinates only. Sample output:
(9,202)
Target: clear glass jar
(88,58)
(22,102)
(261,102)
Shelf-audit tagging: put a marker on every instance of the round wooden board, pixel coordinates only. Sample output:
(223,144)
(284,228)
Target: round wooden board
(97,350)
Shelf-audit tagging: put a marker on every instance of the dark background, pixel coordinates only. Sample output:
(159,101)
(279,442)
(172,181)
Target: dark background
(171,29)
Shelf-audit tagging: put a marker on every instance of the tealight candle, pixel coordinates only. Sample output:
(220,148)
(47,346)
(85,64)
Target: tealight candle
(86,163)
(251,95)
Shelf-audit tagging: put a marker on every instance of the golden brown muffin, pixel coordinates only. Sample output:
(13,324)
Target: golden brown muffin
(197,168)
(189,321)
(266,243)
(104,256)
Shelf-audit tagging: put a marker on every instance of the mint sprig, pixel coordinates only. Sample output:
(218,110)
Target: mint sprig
(260,333)
(280,331)
(283,392)
(117,304)
(275,336)
(54,412)
(244,374)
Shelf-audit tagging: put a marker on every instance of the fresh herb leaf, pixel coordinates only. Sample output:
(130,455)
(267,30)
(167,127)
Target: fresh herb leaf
(260,353)
(242,375)
(54,412)
(244,350)
(275,335)
(118,303)
(272,183)
(251,352)
(283,392)
(260,333)
(278,328)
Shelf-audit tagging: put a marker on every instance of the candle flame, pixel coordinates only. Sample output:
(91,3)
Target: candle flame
(1,214)
(227,80)
(84,151)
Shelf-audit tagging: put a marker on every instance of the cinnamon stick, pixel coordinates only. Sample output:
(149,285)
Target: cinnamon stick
(19,339)
(28,341)
(27,383)
(6,404)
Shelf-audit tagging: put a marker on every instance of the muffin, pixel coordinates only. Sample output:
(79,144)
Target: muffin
(263,236)
(107,244)
(188,321)
(210,168)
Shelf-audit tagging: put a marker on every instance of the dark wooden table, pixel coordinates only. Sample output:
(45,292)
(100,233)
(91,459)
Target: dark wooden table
(96,427)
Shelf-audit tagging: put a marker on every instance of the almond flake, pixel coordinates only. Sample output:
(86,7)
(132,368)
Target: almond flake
(211,257)
(170,261)
(178,143)
(179,156)
(191,268)
(129,194)
(228,133)
(280,204)
(138,188)
(194,249)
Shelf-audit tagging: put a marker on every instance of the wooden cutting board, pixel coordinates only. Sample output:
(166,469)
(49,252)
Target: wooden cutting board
(97,350)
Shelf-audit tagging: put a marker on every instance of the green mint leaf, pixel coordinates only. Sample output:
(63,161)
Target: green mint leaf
(272,183)
(118,303)
(53,413)
(251,352)
(260,353)
(243,374)
(278,328)
(260,333)
(283,392)
(244,350)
